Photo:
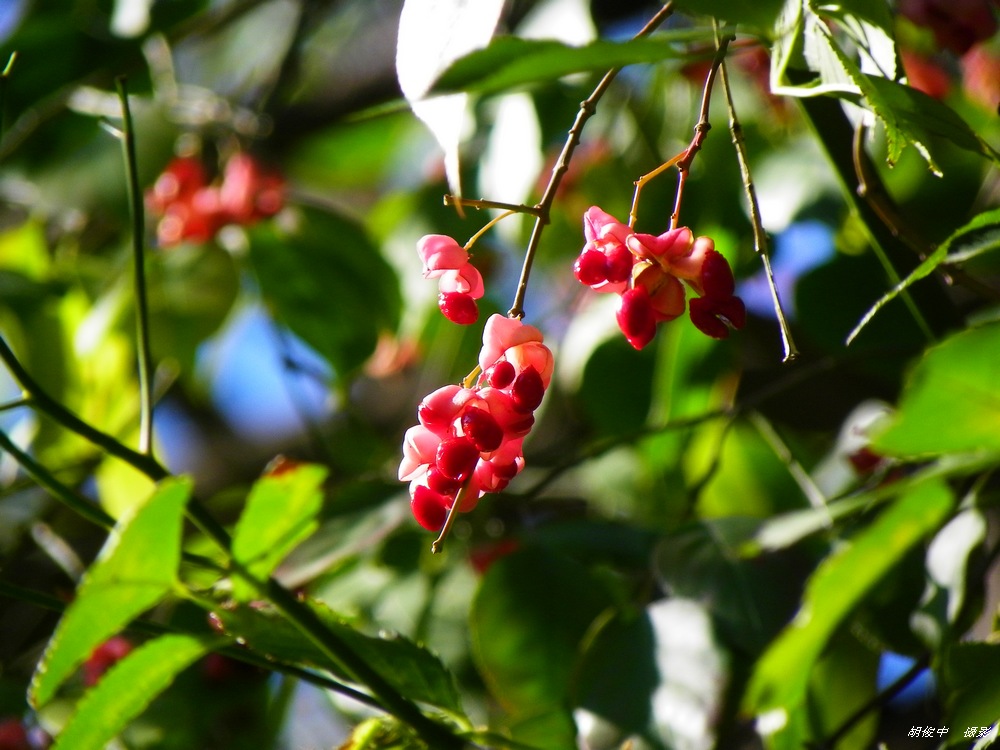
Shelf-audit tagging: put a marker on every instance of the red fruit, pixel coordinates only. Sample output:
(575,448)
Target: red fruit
(458,307)
(501,374)
(591,267)
(716,276)
(715,317)
(429,508)
(13,735)
(527,390)
(480,427)
(620,262)
(104,657)
(456,458)
(440,483)
(636,318)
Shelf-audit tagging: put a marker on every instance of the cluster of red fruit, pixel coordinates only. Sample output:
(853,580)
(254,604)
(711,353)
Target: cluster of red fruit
(459,282)
(960,27)
(648,271)
(469,440)
(193,209)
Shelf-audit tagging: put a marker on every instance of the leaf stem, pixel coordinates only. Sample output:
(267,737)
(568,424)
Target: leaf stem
(145,356)
(587,108)
(43,601)
(759,235)
(479,203)
(438,544)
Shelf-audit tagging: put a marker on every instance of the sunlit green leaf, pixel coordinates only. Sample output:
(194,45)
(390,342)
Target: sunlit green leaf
(511,62)
(659,673)
(411,669)
(127,688)
(951,577)
(324,279)
(133,571)
(951,402)
(280,513)
(838,585)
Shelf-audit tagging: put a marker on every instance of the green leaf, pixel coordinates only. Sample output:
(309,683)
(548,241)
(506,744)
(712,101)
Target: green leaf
(527,626)
(133,571)
(410,668)
(981,235)
(510,62)
(192,288)
(969,686)
(127,688)
(660,674)
(950,402)
(759,13)
(280,513)
(749,598)
(840,583)
(325,280)
(951,572)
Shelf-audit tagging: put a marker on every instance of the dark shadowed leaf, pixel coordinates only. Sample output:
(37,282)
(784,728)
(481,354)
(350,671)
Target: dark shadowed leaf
(411,669)
(842,581)
(510,62)
(325,280)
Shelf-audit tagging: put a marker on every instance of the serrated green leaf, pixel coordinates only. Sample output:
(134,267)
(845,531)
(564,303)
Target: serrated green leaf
(280,513)
(127,688)
(323,278)
(410,668)
(981,235)
(510,62)
(951,402)
(782,674)
(135,568)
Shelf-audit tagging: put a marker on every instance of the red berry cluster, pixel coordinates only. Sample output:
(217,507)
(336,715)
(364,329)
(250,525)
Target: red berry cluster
(956,24)
(193,209)
(472,437)
(459,282)
(14,735)
(647,271)
(104,657)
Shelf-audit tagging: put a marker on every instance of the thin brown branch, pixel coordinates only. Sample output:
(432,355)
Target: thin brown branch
(587,109)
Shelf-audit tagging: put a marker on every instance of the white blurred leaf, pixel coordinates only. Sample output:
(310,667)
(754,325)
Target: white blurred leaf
(432,35)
